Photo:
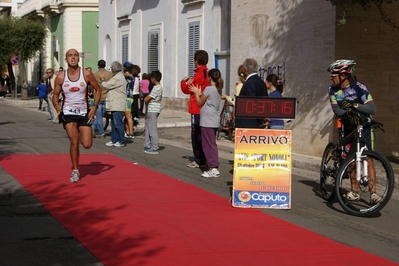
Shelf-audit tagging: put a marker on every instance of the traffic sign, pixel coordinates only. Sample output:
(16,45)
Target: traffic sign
(14,60)
(86,55)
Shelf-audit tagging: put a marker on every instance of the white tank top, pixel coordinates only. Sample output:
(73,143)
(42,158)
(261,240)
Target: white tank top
(75,95)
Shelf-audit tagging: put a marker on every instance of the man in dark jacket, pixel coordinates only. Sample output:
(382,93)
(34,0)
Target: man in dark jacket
(253,86)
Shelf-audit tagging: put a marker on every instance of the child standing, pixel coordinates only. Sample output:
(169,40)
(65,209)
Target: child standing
(209,122)
(145,84)
(154,100)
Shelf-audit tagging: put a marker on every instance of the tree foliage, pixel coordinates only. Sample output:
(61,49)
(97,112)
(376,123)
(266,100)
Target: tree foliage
(348,5)
(23,37)
(20,36)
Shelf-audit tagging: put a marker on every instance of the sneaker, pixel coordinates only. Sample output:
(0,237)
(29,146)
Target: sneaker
(129,136)
(75,176)
(100,136)
(110,144)
(213,172)
(352,196)
(193,164)
(151,151)
(374,198)
(119,144)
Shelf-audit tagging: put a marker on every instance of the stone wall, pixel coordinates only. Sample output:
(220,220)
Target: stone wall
(374,45)
(296,40)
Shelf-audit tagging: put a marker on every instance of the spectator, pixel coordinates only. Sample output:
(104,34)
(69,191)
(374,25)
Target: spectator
(50,79)
(136,92)
(42,93)
(128,73)
(254,86)
(209,101)
(3,86)
(275,89)
(145,88)
(238,87)
(116,103)
(98,121)
(200,79)
(154,100)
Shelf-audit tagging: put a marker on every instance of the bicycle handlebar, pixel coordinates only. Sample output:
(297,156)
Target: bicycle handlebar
(364,119)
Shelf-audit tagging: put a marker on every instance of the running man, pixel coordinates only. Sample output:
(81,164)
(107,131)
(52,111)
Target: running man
(75,112)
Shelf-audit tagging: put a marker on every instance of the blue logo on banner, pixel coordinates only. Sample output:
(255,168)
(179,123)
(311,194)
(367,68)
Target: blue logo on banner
(261,199)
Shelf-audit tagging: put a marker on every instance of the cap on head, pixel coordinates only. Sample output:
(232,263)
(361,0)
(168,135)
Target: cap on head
(127,63)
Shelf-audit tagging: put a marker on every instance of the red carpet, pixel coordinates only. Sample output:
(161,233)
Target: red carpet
(126,214)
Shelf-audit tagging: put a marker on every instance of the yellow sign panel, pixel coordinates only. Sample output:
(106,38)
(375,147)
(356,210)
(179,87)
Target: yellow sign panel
(262,169)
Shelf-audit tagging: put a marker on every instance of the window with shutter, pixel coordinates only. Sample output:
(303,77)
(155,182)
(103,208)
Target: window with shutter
(153,50)
(125,48)
(193,44)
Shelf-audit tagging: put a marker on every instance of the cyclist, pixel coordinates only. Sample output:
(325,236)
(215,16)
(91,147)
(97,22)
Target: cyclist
(348,93)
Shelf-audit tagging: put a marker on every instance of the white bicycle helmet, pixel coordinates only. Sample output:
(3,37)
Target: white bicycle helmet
(342,66)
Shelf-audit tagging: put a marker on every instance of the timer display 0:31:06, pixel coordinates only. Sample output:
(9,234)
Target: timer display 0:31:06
(265,107)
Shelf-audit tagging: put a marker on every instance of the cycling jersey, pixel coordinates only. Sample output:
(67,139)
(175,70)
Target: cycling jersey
(355,92)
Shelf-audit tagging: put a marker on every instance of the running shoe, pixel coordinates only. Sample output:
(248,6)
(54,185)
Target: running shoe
(75,176)
(213,172)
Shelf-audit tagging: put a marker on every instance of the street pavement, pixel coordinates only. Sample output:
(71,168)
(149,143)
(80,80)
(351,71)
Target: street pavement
(172,118)
(28,229)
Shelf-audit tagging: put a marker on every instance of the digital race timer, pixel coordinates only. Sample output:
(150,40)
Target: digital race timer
(265,107)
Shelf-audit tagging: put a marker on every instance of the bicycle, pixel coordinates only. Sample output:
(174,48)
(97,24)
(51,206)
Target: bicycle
(338,164)
(226,121)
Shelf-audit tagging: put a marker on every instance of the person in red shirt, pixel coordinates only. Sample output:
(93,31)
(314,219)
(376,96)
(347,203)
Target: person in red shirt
(201,80)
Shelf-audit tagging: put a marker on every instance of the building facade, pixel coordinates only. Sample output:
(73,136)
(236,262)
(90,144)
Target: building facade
(298,40)
(70,24)
(163,35)
(9,7)
(293,40)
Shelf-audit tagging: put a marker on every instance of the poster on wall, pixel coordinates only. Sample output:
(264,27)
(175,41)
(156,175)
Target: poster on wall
(262,169)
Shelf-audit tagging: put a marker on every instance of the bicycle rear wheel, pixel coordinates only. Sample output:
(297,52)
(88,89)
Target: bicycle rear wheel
(328,170)
(385,180)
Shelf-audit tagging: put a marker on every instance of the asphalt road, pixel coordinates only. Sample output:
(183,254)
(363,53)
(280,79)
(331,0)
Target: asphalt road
(30,236)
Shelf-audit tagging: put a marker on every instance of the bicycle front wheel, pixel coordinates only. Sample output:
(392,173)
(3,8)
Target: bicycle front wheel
(372,164)
(328,170)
